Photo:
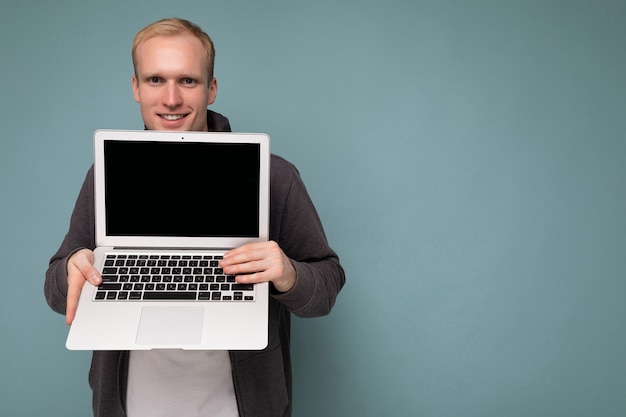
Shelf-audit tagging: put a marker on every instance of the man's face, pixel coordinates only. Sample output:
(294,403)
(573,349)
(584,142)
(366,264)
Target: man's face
(171,83)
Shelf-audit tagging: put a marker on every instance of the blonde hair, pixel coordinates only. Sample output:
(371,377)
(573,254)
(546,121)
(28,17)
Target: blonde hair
(171,27)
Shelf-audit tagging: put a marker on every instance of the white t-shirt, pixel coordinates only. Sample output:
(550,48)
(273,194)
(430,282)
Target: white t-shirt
(172,383)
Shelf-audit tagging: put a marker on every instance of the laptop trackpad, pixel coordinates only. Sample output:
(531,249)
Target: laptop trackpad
(170,325)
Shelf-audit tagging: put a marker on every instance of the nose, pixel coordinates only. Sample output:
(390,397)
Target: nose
(171,95)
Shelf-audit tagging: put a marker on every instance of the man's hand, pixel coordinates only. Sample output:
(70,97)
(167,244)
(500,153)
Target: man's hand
(79,269)
(260,262)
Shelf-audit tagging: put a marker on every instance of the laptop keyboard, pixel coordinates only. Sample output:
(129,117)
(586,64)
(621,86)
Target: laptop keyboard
(127,277)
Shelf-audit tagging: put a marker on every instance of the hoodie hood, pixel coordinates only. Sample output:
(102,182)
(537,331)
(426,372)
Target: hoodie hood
(217,123)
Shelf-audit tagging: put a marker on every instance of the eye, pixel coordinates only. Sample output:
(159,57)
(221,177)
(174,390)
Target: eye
(188,81)
(154,80)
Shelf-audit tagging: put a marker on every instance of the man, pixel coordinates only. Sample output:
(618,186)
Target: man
(173,84)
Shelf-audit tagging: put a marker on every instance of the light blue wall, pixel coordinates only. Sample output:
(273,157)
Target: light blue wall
(468,160)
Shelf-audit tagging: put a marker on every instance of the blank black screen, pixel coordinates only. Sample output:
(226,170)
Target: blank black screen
(181,189)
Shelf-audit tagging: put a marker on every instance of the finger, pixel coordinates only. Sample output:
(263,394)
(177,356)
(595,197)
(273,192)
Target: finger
(240,254)
(243,263)
(73,295)
(243,268)
(79,270)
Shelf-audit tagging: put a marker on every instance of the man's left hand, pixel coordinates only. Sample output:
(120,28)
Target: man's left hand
(260,262)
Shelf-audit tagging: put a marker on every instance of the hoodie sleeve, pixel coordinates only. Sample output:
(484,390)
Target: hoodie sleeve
(296,227)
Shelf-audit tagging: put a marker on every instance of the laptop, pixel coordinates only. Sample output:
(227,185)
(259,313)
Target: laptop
(168,205)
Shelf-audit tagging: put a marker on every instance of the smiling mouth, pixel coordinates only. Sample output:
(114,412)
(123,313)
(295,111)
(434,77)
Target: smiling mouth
(172,117)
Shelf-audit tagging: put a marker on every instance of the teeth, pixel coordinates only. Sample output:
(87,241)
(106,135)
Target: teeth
(172,117)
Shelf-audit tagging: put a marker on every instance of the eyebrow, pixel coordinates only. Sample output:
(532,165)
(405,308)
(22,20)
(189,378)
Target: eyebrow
(196,77)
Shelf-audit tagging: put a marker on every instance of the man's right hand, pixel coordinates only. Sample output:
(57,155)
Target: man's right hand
(79,269)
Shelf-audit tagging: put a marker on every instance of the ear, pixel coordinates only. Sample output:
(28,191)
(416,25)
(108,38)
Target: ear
(212,91)
(135,88)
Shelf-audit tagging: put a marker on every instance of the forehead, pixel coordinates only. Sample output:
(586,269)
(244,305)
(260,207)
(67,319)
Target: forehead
(177,54)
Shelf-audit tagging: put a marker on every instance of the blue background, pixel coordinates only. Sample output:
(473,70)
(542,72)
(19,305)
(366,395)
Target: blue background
(468,160)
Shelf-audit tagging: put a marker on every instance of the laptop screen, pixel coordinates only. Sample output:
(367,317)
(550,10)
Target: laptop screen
(187,189)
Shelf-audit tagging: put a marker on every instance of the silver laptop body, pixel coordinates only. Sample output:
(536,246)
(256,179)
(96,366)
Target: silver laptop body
(167,206)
